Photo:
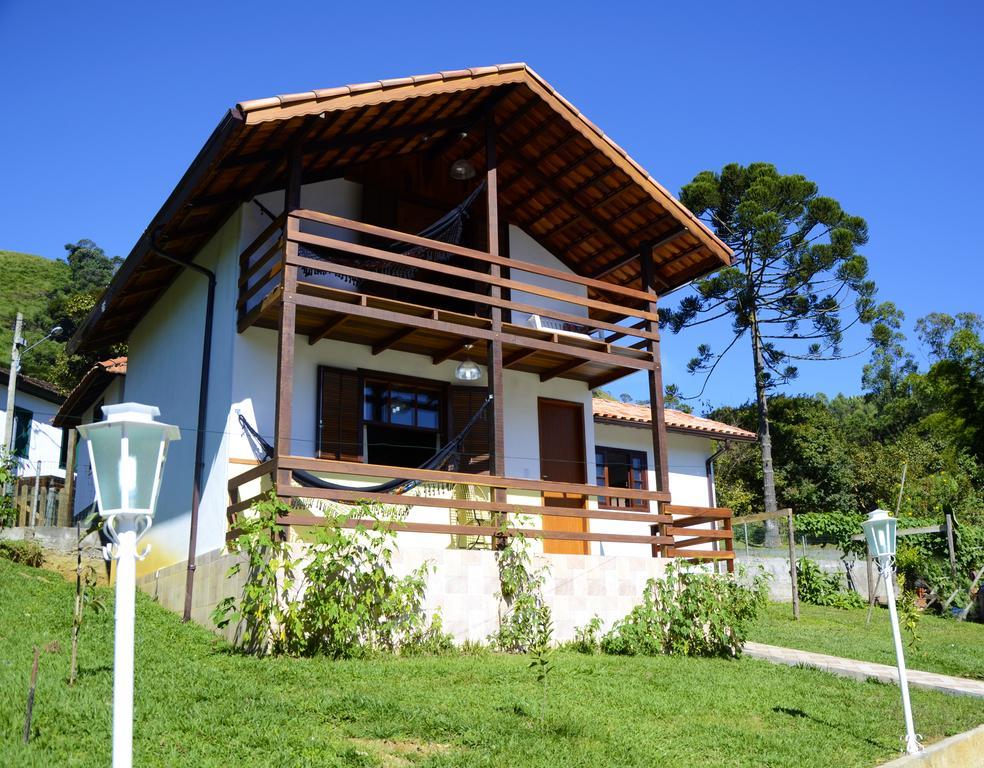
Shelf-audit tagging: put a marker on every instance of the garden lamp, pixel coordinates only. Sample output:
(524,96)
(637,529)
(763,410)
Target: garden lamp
(126,452)
(879,531)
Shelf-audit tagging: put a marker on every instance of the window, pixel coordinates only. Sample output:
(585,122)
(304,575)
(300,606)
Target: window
(402,422)
(22,432)
(621,468)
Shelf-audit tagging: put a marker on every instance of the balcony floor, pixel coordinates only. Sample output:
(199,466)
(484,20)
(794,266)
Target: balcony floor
(379,326)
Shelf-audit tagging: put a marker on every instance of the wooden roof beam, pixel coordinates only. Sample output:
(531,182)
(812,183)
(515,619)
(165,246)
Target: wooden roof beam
(560,370)
(452,350)
(326,330)
(394,338)
(518,356)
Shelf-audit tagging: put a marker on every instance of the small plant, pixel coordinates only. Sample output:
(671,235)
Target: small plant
(541,658)
(85,597)
(22,552)
(8,510)
(523,614)
(909,615)
(587,639)
(818,588)
(689,614)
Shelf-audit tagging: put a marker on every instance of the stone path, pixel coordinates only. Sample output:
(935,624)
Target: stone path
(864,670)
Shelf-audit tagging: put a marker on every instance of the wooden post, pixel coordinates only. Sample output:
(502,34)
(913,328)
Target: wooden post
(288,320)
(69,490)
(792,564)
(497,449)
(949,544)
(655,376)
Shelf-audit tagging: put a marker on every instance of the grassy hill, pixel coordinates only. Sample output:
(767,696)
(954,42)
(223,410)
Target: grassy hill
(25,282)
(198,704)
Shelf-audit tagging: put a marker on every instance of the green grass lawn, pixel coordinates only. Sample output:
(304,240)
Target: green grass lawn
(199,705)
(945,646)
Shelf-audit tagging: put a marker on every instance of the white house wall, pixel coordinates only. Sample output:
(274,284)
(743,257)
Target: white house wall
(44,448)
(163,369)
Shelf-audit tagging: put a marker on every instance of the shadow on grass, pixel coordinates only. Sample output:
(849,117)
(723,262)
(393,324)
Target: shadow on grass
(841,731)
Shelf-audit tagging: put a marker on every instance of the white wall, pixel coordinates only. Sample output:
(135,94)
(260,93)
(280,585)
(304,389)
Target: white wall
(522,247)
(163,369)
(45,443)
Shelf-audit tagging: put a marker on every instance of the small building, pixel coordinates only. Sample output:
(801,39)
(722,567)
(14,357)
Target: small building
(405,291)
(38,445)
(103,384)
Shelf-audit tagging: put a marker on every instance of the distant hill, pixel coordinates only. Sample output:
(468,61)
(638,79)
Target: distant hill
(26,281)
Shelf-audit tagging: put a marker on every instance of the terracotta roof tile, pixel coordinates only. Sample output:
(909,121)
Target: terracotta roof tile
(613,410)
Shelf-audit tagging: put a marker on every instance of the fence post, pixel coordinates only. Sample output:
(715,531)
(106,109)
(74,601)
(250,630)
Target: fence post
(792,564)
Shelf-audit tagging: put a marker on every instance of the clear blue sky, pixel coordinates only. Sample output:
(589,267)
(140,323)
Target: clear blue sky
(105,104)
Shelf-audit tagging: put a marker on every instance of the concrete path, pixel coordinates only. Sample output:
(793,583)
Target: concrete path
(864,670)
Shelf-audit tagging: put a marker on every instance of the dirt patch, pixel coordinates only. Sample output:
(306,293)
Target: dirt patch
(64,565)
(399,753)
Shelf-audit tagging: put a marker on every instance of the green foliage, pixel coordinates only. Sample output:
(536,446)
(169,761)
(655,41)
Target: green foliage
(836,528)
(27,283)
(23,552)
(336,596)
(49,293)
(523,614)
(818,588)
(8,509)
(540,652)
(199,705)
(689,614)
(909,616)
(587,639)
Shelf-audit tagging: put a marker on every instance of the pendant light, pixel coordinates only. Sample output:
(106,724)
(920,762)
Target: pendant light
(467,370)
(462,169)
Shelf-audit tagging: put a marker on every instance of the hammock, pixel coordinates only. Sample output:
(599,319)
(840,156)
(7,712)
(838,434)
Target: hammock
(447,229)
(264,452)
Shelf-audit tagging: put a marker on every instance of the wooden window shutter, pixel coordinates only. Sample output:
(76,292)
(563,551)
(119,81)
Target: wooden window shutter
(340,414)
(464,401)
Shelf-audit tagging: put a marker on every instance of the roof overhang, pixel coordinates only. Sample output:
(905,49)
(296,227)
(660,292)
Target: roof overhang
(88,391)
(561,179)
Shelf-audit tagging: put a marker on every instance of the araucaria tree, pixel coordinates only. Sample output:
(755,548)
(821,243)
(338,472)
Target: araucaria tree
(797,282)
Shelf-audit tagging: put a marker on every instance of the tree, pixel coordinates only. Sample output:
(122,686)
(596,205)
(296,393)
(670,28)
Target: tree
(797,270)
(90,272)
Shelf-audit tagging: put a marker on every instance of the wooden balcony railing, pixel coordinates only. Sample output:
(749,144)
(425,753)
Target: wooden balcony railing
(607,333)
(502,508)
(688,527)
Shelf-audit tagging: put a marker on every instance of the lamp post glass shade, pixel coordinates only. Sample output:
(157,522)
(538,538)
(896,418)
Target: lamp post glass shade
(127,453)
(879,531)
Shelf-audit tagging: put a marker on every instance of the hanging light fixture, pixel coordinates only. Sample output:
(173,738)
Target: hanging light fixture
(462,169)
(467,370)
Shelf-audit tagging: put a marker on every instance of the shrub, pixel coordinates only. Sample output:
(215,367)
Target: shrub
(587,638)
(689,614)
(338,596)
(818,588)
(526,616)
(23,552)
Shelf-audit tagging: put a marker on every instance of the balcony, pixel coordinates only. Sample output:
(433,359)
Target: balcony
(386,289)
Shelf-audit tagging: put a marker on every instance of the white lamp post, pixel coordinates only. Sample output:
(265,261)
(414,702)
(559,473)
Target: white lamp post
(879,530)
(126,453)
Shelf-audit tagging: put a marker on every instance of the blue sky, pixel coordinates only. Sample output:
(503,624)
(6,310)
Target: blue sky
(105,104)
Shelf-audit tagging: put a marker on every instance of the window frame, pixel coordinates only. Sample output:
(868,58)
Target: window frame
(601,474)
(22,439)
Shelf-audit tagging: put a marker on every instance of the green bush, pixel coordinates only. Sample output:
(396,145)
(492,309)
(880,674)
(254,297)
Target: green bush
(689,614)
(23,552)
(587,639)
(338,596)
(819,588)
(524,617)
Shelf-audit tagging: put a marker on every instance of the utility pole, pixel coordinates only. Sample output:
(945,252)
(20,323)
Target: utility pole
(8,427)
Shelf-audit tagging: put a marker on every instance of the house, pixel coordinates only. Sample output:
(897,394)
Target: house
(406,291)
(103,384)
(37,443)
(38,450)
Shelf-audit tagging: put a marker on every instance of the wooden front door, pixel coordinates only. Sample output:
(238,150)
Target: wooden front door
(562,460)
